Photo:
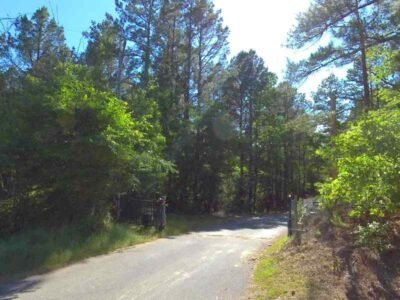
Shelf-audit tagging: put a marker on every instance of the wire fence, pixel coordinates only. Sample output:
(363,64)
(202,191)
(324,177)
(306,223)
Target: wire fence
(300,209)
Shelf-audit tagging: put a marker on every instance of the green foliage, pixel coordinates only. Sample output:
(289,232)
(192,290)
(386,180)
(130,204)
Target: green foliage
(69,149)
(374,235)
(152,109)
(274,136)
(151,166)
(41,250)
(368,166)
(34,44)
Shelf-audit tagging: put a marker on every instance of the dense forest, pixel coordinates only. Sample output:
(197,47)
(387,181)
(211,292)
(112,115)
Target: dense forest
(153,106)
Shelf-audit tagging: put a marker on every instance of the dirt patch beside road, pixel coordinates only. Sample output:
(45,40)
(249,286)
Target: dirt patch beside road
(324,263)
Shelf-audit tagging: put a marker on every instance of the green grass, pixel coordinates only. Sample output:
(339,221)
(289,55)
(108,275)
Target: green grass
(271,275)
(267,266)
(41,250)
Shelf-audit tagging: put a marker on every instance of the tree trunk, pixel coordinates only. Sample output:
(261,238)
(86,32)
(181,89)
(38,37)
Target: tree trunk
(251,158)
(148,50)
(120,68)
(364,67)
(241,163)
(189,34)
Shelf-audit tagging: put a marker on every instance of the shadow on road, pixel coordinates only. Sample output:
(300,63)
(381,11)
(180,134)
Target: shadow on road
(250,222)
(11,290)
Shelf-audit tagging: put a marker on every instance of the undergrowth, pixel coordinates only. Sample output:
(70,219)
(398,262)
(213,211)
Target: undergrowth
(271,276)
(41,250)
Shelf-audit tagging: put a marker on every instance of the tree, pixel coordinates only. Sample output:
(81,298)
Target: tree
(210,48)
(367,183)
(85,150)
(330,103)
(139,18)
(150,106)
(108,55)
(34,44)
(354,27)
(249,77)
(215,141)
(191,49)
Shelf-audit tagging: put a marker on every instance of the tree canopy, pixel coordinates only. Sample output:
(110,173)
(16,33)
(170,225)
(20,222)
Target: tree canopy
(154,105)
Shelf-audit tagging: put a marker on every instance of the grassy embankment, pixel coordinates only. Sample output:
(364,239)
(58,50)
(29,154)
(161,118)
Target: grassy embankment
(324,262)
(42,250)
(269,275)
(289,271)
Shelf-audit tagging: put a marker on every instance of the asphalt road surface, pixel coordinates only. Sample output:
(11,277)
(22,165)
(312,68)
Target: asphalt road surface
(209,264)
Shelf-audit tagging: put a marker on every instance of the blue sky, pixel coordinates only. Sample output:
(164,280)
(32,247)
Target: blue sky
(74,15)
(261,25)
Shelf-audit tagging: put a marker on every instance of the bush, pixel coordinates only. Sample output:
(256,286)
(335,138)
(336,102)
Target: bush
(374,236)
(368,165)
(67,150)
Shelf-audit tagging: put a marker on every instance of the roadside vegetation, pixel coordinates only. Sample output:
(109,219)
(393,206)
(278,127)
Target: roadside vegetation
(271,275)
(325,262)
(133,116)
(148,108)
(360,172)
(43,250)
(288,270)
(347,249)
(152,107)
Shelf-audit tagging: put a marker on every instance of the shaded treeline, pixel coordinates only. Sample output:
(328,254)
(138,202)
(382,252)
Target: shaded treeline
(359,113)
(152,105)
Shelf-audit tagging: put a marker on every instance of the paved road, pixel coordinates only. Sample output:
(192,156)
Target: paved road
(210,264)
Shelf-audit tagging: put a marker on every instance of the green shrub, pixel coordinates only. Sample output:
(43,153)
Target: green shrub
(68,149)
(368,165)
(374,236)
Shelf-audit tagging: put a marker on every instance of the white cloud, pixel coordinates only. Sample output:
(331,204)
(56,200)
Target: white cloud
(263,25)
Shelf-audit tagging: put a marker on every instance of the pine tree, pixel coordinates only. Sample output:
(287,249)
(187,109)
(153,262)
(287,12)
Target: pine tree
(354,26)
(35,44)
